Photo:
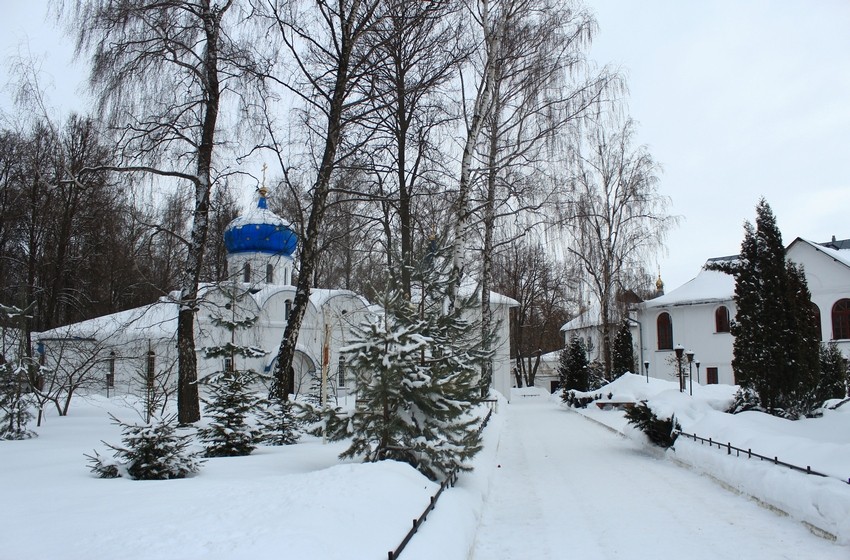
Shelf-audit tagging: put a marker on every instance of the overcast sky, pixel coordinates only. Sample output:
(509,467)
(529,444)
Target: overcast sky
(737,99)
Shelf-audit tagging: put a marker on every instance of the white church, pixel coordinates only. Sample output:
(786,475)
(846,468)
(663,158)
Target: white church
(121,353)
(697,316)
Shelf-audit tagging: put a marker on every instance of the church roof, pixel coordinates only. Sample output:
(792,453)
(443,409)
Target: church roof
(709,286)
(830,249)
(260,231)
(153,321)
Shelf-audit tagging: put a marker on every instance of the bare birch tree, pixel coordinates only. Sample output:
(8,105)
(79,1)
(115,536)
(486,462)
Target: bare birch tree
(160,68)
(616,219)
(542,85)
(330,74)
(419,47)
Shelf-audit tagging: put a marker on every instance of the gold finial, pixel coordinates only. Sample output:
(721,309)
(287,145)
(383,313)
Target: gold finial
(263,190)
(659,284)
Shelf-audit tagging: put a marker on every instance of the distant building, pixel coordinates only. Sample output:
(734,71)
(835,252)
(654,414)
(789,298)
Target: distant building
(698,314)
(124,351)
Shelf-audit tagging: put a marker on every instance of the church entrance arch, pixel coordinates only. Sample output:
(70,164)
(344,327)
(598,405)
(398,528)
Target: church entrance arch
(304,370)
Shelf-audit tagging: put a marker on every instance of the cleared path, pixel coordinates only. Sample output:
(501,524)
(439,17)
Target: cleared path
(569,488)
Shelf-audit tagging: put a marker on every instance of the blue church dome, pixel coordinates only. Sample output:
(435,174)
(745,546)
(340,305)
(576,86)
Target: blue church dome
(260,231)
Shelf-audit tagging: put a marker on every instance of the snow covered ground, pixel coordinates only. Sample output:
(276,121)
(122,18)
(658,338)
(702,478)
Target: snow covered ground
(563,480)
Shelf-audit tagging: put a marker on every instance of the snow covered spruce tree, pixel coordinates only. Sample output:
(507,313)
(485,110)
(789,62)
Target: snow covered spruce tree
(15,403)
(776,342)
(17,376)
(574,369)
(418,367)
(833,379)
(151,451)
(228,433)
(624,352)
(278,422)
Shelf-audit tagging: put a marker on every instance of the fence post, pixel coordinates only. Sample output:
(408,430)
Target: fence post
(728,447)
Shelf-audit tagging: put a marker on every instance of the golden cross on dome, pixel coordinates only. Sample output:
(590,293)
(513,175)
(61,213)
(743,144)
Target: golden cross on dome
(263,190)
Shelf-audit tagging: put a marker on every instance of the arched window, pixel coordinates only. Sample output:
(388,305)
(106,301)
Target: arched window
(721,319)
(269,274)
(287,309)
(341,371)
(151,368)
(841,319)
(816,313)
(246,273)
(665,332)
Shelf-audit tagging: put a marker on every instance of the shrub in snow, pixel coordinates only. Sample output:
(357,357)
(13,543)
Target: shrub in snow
(576,401)
(623,359)
(278,422)
(745,399)
(228,433)
(151,451)
(833,374)
(660,431)
(418,369)
(332,423)
(15,403)
(573,367)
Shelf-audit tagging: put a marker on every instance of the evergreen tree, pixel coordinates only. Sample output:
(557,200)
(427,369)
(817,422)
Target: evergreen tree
(418,369)
(833,374)
(151,451)
(278,423)
(624,353)
(799,384)
(574,368)
(228,433)
(15,404)
(775,353)
(17,374)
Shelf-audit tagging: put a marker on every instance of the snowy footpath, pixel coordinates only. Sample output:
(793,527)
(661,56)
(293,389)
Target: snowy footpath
(567,487)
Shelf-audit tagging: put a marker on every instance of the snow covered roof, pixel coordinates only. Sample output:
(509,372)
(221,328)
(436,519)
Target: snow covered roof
(709,286)
(154,321)
(587,318)
(839,255)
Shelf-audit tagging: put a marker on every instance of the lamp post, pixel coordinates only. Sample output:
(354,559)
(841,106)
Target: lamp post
(646,369)
(110,376)
(690,355)
(680,350)
(697,364)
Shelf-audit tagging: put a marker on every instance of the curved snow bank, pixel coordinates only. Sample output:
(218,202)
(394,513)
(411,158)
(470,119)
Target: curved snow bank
(820,443)
(449,533)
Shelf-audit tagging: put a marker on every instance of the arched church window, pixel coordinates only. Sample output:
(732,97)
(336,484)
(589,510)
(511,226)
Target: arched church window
(664,326)
(721,319)
(287,309)
(246,273)
(841,319)
(269,274)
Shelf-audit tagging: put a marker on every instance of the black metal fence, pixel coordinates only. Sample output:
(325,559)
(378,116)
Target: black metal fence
(749,454)
(451,480)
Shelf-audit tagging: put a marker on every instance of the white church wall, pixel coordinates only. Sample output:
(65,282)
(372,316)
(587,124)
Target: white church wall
(829,281)
(694,328)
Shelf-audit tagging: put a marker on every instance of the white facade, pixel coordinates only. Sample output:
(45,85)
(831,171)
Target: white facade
(695,312)
(123,350)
